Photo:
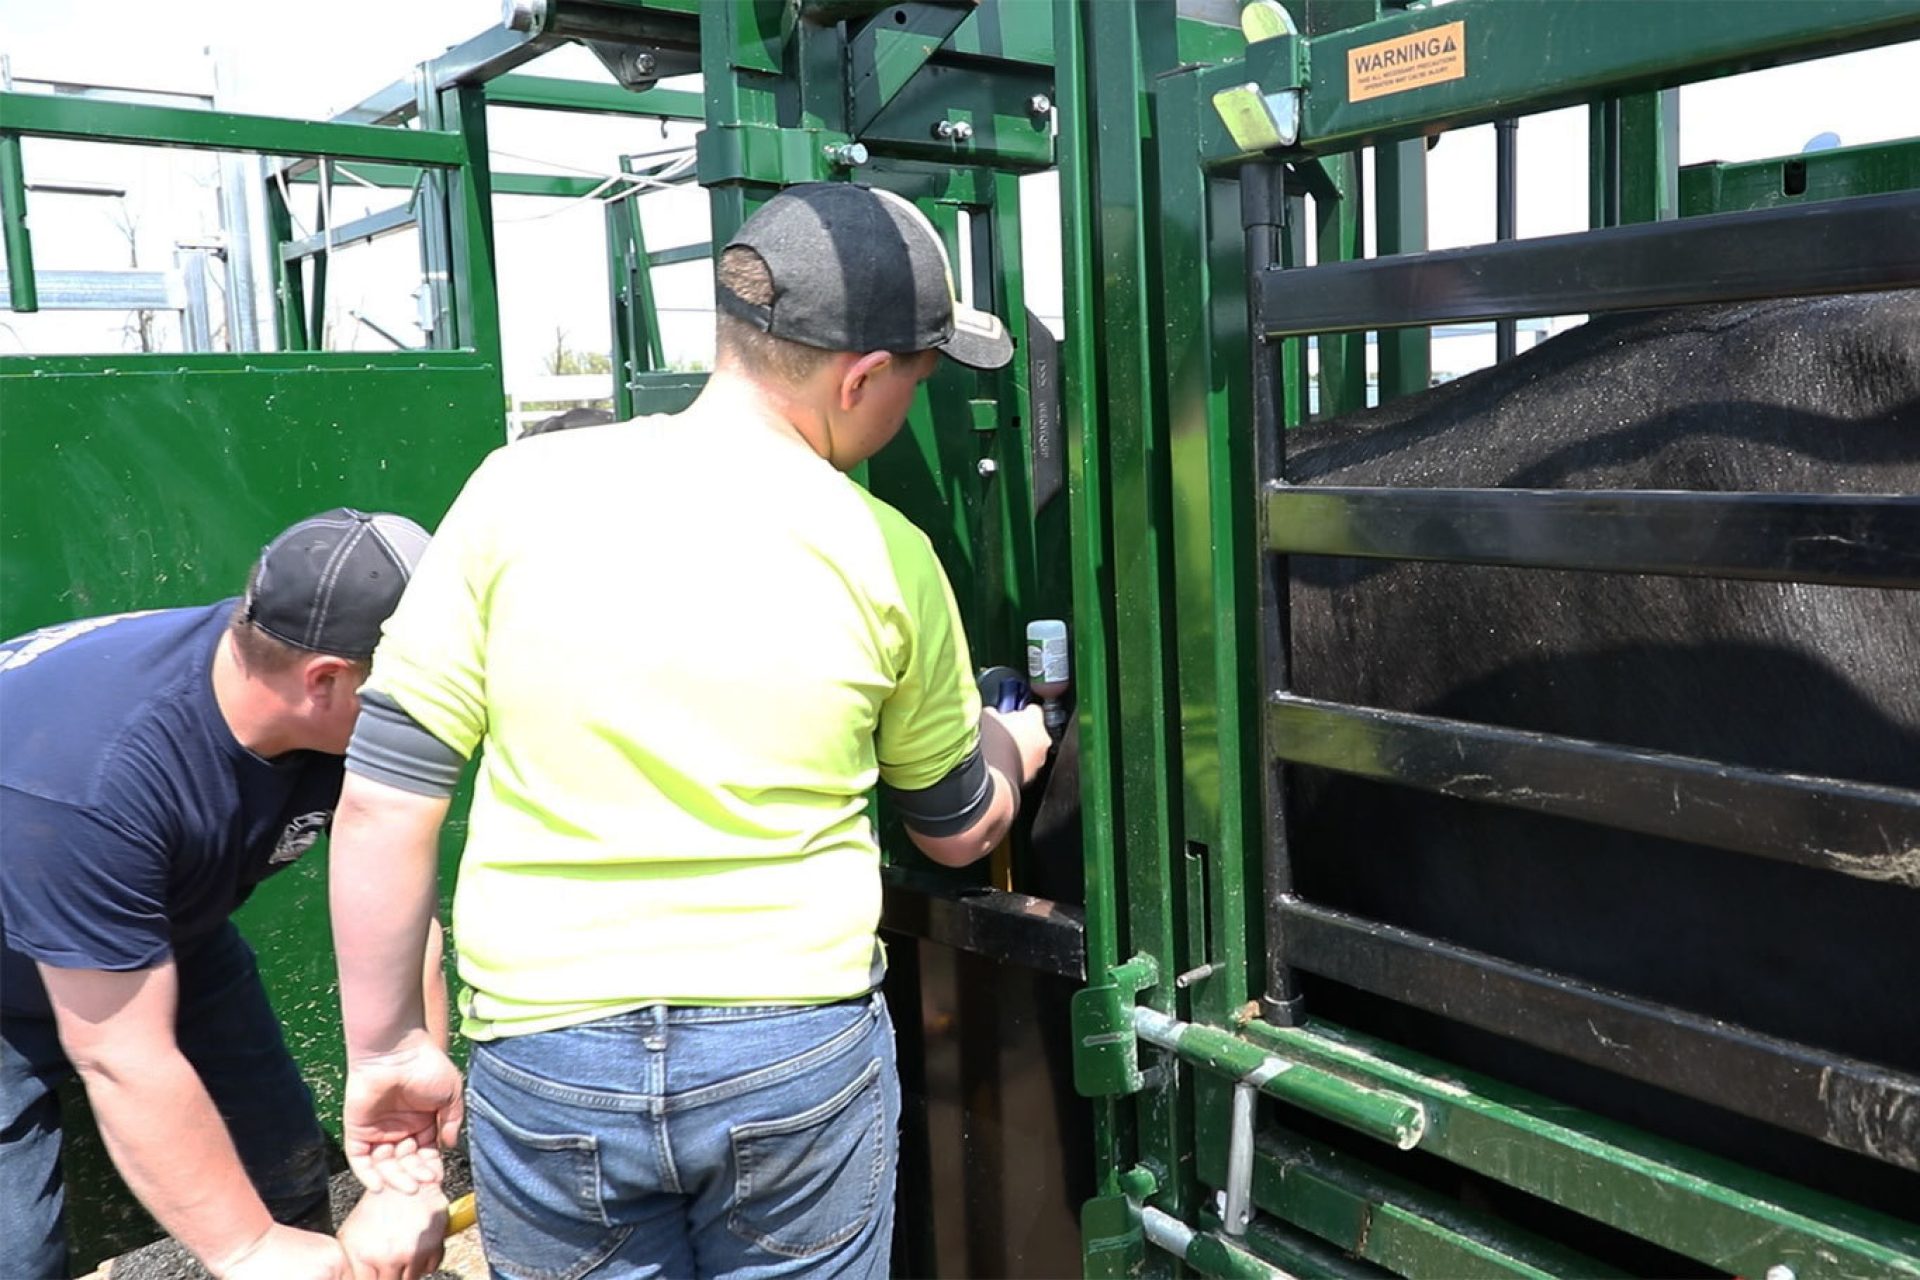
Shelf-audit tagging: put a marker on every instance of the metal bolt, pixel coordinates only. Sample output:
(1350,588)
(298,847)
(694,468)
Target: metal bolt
(523,15)
(642,63)
(987,467)
(1039,104)
(1779,1271)
(953,130)
(847,155)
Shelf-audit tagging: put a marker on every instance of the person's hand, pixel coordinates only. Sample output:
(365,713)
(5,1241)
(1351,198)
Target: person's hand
(285,1253)
(1027,729)
(394,1236)
(401,1108)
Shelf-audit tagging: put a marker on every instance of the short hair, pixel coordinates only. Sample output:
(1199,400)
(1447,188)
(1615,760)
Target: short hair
(262,654)
(744,273)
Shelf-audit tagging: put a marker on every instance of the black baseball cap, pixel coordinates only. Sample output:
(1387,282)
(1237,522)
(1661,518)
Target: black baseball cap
(328,583)
(856,269)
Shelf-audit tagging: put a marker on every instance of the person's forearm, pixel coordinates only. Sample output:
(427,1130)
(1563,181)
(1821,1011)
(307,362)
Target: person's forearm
(169,1143)
(383,889)
(433,985)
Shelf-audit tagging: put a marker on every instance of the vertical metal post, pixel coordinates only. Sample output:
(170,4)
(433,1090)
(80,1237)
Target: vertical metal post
(1092,565)
(289,293)
(196,325)
(1263,202)
(1400,213)
(1343,356)
(23,293)
(1604,164)
(1506,135)
(436,254)
(470,224)
(317,296)
(617,214)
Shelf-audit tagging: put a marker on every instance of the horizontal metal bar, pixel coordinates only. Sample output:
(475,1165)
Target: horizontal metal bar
(46,116)
(1730,1218)
(103,290)
(681,253)
(1832,246)
(1402,1226)
(1842,1101)
(492,53)
(1852,828)
(1599,49)
(1400,1122)
(359,231)
(1205,1252)
(1857,540)
(552,93)
(1011,928)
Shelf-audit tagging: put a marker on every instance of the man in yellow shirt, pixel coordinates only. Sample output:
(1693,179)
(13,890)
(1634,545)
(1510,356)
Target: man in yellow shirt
(692,647)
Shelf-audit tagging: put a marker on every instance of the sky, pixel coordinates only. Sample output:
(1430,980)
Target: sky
(278,58)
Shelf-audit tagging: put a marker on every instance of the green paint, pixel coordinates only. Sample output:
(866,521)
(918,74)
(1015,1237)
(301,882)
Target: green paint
(1875,169)
(94,120)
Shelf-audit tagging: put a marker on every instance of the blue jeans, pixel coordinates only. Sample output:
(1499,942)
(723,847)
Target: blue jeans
(671,1142)
(227,1030)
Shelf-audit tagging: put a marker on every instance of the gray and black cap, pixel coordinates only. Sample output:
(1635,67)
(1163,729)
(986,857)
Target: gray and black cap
(329,583)
(856,269)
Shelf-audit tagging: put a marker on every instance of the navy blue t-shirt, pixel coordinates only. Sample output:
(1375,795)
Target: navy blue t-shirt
(132,822)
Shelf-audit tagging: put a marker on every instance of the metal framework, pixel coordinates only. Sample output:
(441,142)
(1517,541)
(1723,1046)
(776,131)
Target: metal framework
(1134,480)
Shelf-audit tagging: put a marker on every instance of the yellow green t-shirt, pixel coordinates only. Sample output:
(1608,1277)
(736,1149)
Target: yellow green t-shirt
(690,649)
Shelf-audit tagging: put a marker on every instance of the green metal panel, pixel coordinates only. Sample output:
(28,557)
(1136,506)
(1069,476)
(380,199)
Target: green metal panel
(94,120)
(1820,175)
(1524,56)
(1007,132)
(145,481)
(886,54)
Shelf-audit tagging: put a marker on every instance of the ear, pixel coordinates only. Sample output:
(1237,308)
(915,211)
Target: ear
(854,378)
(326,678)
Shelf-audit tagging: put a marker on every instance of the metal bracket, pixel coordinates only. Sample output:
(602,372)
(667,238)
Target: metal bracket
(1106,1056)
(759,153)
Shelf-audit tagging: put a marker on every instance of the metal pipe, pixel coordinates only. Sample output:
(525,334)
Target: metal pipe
(1399,1121)
(1238,1211)
(1263,206)
(1506,207)
(1205,1253)
(1610,173)
(22,296)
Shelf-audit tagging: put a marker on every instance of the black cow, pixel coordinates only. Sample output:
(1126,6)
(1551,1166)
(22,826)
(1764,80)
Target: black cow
(1818,396)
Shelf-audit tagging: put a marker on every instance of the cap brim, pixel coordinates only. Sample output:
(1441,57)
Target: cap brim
(979,340)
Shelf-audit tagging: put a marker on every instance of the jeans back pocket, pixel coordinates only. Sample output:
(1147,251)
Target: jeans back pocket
(540,1208)
(807,1183)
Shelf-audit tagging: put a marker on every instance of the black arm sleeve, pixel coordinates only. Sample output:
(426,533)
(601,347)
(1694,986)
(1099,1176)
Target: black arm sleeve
(390,746)
(950,805)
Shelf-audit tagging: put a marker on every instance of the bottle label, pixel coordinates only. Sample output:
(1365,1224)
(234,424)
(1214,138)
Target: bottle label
(1047,661)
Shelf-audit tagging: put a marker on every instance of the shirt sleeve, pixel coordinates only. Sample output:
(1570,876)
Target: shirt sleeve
(83,891)
(432,655)
(930,723)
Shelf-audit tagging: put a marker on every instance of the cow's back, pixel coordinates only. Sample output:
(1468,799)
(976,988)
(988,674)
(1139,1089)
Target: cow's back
(1819,396)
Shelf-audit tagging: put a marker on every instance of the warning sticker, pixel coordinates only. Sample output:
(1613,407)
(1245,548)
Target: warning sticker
(1433,56)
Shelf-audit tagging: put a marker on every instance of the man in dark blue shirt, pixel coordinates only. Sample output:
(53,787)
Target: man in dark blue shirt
(154,768)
